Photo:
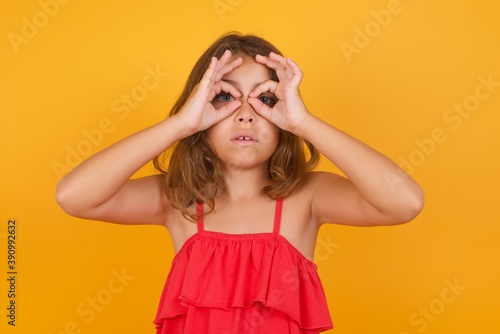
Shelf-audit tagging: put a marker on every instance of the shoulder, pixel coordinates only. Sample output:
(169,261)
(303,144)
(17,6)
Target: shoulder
(316,181)
(315,185)
(331,197)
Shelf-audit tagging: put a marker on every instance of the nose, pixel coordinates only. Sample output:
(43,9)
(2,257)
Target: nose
(245,113)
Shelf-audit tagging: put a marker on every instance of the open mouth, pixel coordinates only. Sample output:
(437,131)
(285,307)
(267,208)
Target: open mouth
(244,138)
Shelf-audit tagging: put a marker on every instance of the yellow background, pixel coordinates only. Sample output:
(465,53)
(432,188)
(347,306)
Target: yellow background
(388,80)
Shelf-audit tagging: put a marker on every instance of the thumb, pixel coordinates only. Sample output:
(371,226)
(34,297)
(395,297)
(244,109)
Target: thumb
(260,108)
(228,109)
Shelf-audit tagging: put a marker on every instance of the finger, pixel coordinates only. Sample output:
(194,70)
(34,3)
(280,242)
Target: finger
(227,68)
(209,73)
(274,60)
(223,59)
(261,109)
(277,58)
(228,109)
(212,75)
(266,86)
(296,69)
(285,62)
(266,61)
(277,63)
(284,67)
(223,86)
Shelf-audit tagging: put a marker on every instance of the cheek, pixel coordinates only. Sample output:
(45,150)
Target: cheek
(215,131)
(212,136)
(270,136)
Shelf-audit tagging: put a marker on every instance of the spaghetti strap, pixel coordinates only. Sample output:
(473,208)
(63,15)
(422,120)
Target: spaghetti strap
(277,216)
(199,216)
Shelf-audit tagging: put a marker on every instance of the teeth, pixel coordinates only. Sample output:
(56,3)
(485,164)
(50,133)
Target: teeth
(244,138)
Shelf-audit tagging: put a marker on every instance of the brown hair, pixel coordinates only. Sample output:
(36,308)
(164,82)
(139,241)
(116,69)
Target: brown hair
(193,173)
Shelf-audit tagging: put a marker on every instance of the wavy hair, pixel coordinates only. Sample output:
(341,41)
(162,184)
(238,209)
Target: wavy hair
(193,173)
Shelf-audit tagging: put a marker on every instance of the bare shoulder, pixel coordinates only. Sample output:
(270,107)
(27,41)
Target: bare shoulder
(317,179)
(302,200)
(313,183)
(334,199)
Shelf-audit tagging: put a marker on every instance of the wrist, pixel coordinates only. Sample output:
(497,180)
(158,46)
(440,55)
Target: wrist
(180,127)
(302,128)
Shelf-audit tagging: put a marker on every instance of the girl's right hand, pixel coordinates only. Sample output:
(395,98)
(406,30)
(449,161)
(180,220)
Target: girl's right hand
(198,113)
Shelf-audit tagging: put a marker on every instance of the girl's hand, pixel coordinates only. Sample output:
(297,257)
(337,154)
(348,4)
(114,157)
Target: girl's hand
(198,113)
(289,111)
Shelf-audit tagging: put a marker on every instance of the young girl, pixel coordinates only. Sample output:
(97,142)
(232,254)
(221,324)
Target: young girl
(238,196)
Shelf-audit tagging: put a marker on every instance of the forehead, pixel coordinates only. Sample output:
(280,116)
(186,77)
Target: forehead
(248,73)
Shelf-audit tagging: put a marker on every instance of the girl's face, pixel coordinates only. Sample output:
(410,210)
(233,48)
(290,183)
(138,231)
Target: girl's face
(244,139)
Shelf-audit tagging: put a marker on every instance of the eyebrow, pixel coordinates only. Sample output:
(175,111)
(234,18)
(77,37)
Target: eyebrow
(232,82)
(236,85)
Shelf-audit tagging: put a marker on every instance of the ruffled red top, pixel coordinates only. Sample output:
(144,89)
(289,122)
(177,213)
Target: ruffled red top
(242,283)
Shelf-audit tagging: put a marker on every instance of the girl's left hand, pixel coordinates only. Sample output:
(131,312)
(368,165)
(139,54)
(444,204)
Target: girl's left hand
(289,111)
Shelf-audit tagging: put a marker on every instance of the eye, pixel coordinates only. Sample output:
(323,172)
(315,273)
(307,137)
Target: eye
(223,97)
(269,100)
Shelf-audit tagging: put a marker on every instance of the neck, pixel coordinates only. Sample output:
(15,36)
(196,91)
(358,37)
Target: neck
(244,184)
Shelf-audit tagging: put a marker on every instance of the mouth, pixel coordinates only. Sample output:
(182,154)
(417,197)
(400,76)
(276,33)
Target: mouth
(244,138)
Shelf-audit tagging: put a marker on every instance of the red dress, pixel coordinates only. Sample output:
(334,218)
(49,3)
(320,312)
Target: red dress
(242,284)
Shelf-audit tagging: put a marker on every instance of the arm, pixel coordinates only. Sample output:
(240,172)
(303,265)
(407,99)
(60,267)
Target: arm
(101,189)
(376,191)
